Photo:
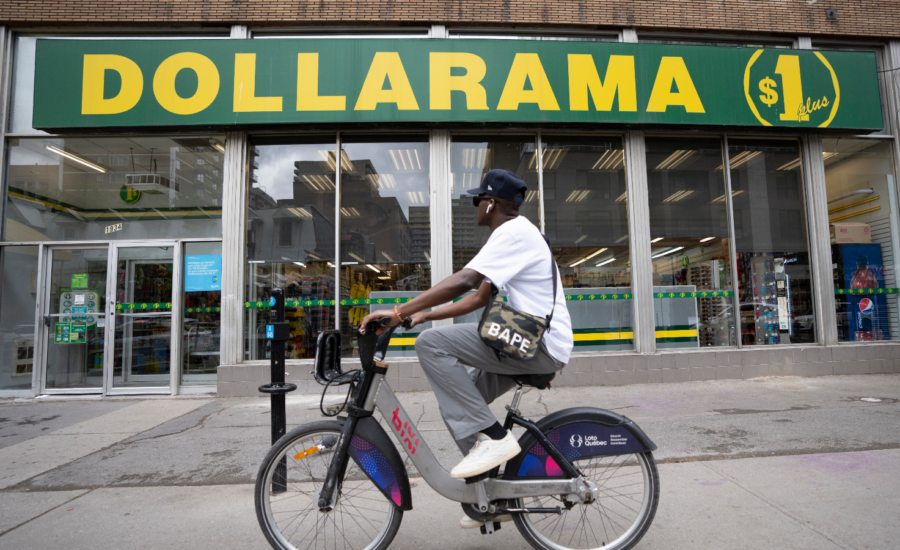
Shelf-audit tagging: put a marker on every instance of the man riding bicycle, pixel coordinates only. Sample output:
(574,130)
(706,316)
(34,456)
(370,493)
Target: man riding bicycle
(517,259)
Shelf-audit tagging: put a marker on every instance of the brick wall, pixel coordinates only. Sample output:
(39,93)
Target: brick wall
(855,18)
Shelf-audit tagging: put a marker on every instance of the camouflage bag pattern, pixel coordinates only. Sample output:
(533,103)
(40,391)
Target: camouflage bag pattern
(513,333)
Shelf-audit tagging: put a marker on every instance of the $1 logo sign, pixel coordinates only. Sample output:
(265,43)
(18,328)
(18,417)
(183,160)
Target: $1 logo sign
(792,89)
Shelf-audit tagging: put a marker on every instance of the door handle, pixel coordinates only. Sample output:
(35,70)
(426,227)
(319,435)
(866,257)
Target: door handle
(46,320)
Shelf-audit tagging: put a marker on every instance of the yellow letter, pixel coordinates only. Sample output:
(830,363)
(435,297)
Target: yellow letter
(308,98)
(672,69)
(527,65)
(442,83)
(583,77)
(95,67)
(207,83)
(386,64)
(245,100)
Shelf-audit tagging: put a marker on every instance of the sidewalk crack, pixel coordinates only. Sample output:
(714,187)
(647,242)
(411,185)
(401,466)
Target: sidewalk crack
(87,492)
(786,513)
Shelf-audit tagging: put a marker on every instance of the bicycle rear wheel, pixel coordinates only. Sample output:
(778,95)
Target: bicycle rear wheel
(362,517)
(629,494)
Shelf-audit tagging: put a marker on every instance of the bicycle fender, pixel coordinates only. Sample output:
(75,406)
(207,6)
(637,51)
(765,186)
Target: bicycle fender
(373,451)
(577,433)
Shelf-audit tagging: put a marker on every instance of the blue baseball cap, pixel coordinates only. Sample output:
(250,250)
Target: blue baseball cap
(502,184)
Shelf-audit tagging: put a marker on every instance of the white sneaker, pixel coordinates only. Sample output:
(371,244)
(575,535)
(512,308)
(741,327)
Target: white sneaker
(468,523)
(486,455)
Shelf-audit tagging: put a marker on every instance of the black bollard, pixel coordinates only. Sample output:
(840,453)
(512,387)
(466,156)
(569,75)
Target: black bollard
(278,332)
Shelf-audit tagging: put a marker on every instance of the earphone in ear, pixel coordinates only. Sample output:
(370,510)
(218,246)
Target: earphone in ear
(489,208)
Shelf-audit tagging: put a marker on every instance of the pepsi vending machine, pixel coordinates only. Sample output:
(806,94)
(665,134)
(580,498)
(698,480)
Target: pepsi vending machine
(861,317)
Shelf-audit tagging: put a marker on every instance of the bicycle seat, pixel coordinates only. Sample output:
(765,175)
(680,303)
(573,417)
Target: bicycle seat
(539,381)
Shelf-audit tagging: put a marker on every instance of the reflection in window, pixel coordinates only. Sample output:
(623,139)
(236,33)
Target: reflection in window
(471,157)
(861,189)
(586,217)
(689,242)
(18,293)
(774,273)
(123,188)
(385,229)
(290,242)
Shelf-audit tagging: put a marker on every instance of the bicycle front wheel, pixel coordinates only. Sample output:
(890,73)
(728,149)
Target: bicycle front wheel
(288,511)
(629,493)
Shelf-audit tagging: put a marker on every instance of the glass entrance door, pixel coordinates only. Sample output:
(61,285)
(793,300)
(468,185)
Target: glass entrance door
(142,346)
(75,319)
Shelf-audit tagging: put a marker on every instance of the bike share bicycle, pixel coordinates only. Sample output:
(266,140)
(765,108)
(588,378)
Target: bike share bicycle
(585,478)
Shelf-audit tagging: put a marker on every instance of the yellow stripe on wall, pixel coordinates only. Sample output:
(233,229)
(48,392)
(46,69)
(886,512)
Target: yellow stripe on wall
(592,336)
(676,334)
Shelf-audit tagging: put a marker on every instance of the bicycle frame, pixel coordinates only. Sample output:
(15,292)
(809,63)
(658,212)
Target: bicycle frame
(374,392)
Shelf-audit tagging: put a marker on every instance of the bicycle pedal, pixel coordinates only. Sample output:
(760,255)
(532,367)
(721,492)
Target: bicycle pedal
(490,527)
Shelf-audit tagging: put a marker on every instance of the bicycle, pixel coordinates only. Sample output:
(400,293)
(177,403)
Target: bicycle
(586,477)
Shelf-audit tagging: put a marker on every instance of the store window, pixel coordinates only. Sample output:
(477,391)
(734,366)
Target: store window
(862,194)
(120,188)
(385,231)
(18,293)
(774,271)
(692,282)
(586,222)
(202,315)
(291,242)
(471,157)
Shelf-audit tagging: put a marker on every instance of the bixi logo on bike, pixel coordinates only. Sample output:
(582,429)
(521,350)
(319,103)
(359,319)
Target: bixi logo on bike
(406,433)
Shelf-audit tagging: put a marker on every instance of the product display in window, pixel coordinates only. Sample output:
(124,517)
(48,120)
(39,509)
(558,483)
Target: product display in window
(862,192)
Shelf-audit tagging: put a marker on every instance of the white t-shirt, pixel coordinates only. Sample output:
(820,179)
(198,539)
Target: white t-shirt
(517,258)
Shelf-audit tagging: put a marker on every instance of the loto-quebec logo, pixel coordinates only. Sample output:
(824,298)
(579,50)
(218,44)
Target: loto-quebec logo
(784,89)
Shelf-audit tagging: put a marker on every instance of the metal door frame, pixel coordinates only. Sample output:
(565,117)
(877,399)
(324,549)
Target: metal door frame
(175,325)
(43,331)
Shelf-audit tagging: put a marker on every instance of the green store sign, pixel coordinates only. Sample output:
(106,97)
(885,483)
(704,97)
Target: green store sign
(147,83)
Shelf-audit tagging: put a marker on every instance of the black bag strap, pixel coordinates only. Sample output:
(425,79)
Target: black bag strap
(553,274)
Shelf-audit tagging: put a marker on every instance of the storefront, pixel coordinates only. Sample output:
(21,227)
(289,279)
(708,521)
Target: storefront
(717,210)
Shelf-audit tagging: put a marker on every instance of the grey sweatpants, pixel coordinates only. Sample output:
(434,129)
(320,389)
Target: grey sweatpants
(463,397)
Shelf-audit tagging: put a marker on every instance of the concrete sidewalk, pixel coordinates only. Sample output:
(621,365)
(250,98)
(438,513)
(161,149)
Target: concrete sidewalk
(782,462)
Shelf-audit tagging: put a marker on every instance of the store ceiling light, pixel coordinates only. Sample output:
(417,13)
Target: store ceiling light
(373,268)
(623,197)
(356,257)
(256,261)
(679,195)
(604,262)
(676,159)
(530,196)
(622,239)
(301,264)
(350,212)
(385,277)
(707,239)
(581,238)
(733,194)
(385,254)
(667,252)
(741,158)
(610,160)
(474,158)
(657,239)
(77,159)
(427,256)
(405,159)
(581,261)
(300,212)
(416,197)
(578,195)
(330,264)
(595,253)
(217,146)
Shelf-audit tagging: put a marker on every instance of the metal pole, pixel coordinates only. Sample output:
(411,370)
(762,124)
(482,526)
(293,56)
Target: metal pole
(278,332)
